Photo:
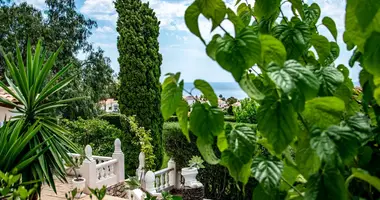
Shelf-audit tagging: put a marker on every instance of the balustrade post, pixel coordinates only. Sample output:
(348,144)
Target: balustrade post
(119,167)
(149,182)
(173,174)
(89,170)
(140,171)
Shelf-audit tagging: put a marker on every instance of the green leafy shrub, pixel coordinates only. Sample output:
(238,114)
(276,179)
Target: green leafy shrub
(247,112)
(308,118)
(96,132)
(116,119)
(218,183)
(144,141)
(11,186)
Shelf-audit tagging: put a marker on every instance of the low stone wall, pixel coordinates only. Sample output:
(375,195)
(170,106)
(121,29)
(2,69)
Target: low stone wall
(117,190)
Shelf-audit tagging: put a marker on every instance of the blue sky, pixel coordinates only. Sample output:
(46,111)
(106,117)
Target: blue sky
(181,50)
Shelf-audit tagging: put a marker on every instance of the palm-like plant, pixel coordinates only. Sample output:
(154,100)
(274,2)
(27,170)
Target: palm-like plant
(29,83)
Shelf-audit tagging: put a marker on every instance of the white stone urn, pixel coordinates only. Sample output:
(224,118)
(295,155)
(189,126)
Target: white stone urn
(190,176)
(79,183)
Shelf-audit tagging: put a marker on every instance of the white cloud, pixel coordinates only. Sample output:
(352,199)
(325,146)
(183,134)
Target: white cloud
(105,29)
(100,10)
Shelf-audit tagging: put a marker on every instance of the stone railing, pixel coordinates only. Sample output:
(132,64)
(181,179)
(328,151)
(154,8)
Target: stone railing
(100,170)
(158,181)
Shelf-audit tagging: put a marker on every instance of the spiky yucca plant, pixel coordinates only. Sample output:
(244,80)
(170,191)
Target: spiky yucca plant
(30,85)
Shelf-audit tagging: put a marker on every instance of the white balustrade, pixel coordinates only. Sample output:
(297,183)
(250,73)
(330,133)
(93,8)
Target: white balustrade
(101,170)
(161,180)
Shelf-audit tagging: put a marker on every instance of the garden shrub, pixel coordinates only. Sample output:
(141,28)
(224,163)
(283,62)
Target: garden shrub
(116,119)
(215,178)
(96,132)
(101,134)
(247,112)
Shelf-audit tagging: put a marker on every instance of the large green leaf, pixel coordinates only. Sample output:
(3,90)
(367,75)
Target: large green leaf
(312,13)
(365,176)
(295,38)
(324,111)
(327,184)
(242,142)
(212,46)
(265,8)
(372,54)
(333,55)
(336,144)
(205,121)
(207,91)
(191,19)
(236,21)
(357,18)
(238,54)
(277,121)
(289,176)
(322,46)
(297,4)
(248,86)
(182,112)
(205,147)
(267,171)
(260,193)
(331,26)
(244,13)
(170,97)
(272,50)
(294,76)
(330,79)
(212,9)
(238,157)
(366,12)
(307,160)
(238,170)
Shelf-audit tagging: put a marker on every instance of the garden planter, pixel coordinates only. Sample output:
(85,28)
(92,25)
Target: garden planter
(80,184)
(190,176)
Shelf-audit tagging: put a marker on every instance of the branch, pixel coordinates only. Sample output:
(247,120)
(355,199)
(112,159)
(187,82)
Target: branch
(294,188)
(251,12)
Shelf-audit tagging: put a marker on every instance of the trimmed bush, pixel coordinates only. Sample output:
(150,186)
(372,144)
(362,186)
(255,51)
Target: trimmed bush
(116,119)
(219,185)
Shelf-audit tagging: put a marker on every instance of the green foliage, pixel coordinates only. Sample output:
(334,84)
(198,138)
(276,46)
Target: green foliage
(197,162)
(116,119)
(71,195)
(60,24)
(98,193)
(140,88)
(215,178)
(98,133)
(12,187)
(144,141)
(307,116)
(30,84)
(247,112)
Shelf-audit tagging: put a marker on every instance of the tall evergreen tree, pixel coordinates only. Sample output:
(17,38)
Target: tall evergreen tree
(140,71)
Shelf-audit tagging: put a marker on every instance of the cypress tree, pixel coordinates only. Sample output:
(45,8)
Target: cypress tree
(140,60)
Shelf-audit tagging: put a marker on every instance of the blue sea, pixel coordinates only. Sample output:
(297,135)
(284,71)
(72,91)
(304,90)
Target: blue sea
(226,89)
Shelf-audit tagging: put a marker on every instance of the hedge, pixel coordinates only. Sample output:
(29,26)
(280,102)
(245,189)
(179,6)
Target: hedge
(227,118)
(218,184)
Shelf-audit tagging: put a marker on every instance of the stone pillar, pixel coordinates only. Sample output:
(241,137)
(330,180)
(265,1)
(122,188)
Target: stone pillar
(119,156)
(89,170)
(173,174)
(149,182)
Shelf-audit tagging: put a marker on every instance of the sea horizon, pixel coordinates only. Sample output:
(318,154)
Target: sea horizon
(226,89)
